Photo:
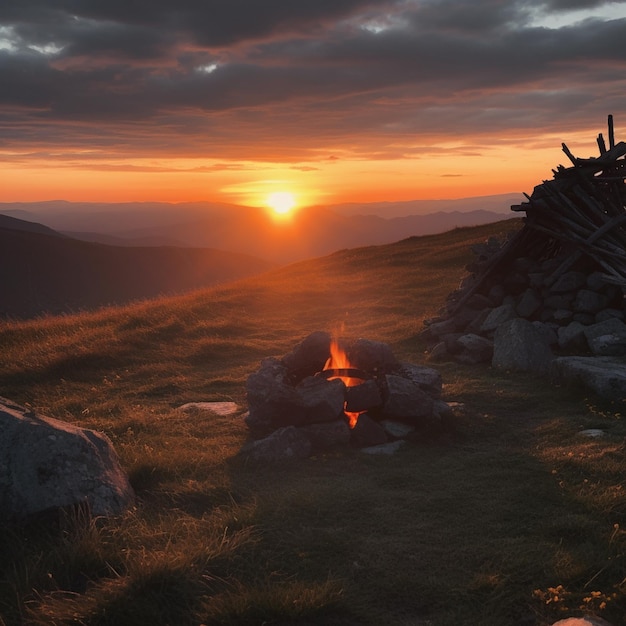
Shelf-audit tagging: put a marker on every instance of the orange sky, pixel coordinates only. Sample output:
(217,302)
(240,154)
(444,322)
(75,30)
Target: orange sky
(453,172)
(352,101)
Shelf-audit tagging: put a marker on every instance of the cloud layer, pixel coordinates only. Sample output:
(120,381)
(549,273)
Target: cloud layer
(302,81)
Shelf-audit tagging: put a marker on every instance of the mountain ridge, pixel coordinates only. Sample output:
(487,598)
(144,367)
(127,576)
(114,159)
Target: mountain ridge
(43,273)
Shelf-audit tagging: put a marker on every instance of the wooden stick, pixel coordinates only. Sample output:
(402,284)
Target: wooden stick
(611,133)
(601,144)
(570,156)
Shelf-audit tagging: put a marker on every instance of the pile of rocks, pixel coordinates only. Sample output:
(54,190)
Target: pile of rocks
(295,411)
(576,313)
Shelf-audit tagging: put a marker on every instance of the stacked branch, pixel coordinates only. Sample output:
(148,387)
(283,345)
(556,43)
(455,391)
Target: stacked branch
(584,208)
(580,215)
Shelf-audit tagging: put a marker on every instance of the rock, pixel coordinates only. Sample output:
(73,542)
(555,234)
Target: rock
(498,316)
(406,400)
(547,332)
(572,337)
(589,620)
(605,376)
(284,444)
(587,301)
(476,349)
(219,408)
(518,345)
(363,397)
(559,301)
(443,410)
(428,378)
(49,464)
(563,316)
(328,435)
(372,356)
(309,356)
(529,303)
(439,353)
(607,338)
(607,314)
(442,328)
(322,399)
(386,449)
(569,281)
(368,432)
(271,401)
(594,433)
(397,430)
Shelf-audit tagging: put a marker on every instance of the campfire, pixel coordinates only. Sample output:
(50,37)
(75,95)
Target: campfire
(337,391)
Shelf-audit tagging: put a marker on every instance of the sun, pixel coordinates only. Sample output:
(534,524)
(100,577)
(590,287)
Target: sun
(281,202)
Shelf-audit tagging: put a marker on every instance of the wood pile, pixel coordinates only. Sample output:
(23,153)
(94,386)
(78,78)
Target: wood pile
(579,216)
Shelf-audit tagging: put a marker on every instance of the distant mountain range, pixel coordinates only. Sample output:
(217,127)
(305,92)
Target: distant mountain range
(59,257)
(313,231)
(43,271)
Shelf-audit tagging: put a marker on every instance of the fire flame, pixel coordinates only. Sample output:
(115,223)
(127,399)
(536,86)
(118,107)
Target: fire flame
(339,360)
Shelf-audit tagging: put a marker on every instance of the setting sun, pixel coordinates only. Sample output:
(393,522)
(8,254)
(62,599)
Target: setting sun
(281,202)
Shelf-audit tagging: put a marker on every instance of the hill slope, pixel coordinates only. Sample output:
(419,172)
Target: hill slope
(45,272)
(508,518)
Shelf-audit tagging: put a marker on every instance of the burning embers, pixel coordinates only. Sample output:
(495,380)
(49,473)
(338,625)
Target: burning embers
(329,392)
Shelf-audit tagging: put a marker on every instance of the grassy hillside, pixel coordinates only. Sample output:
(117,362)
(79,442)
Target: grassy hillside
(47,273)
(511,518)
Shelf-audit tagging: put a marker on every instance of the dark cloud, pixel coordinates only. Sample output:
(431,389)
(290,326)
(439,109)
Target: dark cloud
(218,77)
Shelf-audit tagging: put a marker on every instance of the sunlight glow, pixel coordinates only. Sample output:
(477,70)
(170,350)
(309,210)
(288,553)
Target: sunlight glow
(281,202)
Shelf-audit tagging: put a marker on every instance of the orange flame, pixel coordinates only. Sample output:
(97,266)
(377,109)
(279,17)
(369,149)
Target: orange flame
(339,360)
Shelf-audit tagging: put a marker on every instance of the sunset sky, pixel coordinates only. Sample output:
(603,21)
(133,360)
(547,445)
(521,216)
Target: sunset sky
(329,100)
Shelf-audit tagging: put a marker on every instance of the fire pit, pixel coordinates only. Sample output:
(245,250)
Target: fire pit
(328,392)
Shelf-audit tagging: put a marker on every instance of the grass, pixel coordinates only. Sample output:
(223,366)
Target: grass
(510,518)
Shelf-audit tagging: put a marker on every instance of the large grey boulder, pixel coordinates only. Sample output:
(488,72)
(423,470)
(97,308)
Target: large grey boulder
(518,345)
(604,376)
(48,464)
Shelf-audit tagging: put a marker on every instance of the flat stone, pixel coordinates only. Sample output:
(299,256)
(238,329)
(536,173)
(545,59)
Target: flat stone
(582,621)
(219,408)
(594,433)
(385,449)
(606,376)
(397,429)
